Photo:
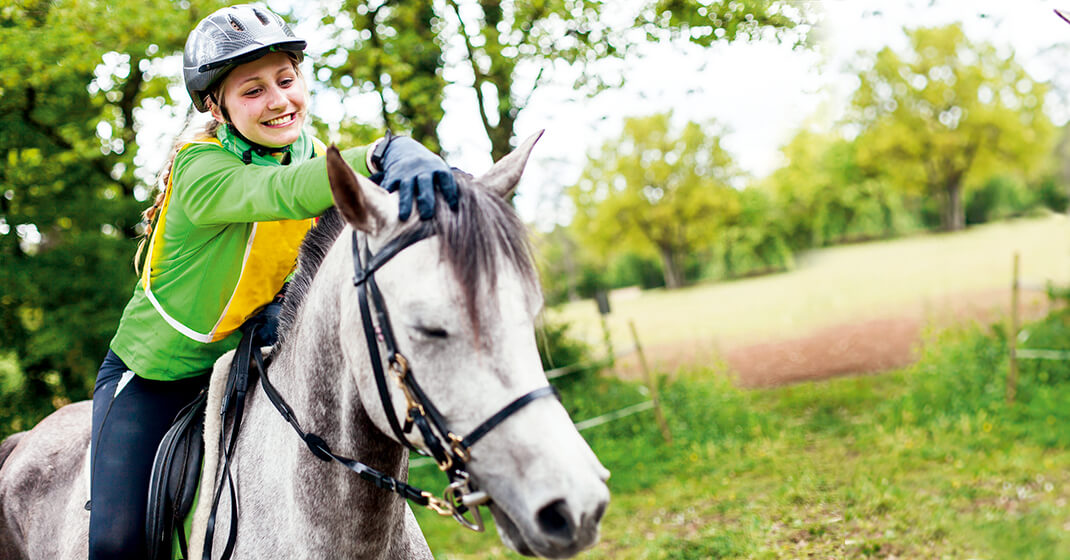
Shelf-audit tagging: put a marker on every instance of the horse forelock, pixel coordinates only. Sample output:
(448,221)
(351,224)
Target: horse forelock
(482,236)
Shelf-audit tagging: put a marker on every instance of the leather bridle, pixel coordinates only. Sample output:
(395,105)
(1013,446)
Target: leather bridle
(450,451)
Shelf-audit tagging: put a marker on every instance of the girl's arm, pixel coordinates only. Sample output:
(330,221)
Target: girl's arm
(216,188)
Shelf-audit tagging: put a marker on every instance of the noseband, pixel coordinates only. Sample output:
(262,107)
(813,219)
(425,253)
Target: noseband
(449,450)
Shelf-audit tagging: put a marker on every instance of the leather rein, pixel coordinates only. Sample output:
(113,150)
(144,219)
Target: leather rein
(450,451)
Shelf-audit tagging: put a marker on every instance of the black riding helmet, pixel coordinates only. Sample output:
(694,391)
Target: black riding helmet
(230,37)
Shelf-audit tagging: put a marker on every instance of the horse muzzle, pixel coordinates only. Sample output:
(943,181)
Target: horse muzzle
(560,528)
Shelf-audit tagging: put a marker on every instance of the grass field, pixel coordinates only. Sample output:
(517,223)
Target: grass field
(830,286)
(923,462)
(927,462)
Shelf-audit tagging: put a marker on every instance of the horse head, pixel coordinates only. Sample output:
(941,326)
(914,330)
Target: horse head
(463,296)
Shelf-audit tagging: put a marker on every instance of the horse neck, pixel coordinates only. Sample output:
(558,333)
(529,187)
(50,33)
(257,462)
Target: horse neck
(310,372)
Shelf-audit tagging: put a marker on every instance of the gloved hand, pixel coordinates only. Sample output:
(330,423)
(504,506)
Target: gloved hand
(413,170)
(264,325)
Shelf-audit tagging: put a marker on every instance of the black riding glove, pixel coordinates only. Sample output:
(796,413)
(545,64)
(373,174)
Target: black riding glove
(265,324)
(414,171)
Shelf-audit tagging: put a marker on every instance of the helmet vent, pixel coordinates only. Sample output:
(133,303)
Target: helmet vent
(235,24)
(262,17)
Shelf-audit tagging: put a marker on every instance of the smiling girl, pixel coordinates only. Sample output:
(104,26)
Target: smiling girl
(224,236)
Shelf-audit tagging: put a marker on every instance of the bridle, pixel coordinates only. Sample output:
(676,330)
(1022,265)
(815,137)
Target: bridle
(450,451)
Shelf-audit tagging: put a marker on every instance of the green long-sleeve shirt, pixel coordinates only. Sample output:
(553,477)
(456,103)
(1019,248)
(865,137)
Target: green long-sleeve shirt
(225,241)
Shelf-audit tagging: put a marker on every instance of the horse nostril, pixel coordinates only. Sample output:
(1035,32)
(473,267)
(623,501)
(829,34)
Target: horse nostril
(599,512)
(555,520)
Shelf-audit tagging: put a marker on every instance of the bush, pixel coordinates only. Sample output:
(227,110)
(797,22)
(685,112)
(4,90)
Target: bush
(584,393)
(556,347)
(1000,197)
(1053,195)
(632,269)
(961,380)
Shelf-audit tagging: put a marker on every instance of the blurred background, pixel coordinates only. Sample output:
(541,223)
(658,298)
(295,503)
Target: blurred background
(743,211)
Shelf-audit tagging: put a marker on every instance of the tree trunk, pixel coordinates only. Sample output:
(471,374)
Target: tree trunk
(729,257)
(954,212)
(671,269)
(1063,168)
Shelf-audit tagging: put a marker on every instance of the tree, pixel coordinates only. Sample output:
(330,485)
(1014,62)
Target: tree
(946,114)
(393,50)
(753,240)
(823,196)
(510,48)
(656,189)
(74,77)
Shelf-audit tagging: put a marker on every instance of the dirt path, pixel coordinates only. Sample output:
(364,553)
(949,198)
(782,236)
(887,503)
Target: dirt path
(863,346)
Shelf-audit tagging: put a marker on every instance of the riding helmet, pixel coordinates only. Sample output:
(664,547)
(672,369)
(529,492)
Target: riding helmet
(229,37)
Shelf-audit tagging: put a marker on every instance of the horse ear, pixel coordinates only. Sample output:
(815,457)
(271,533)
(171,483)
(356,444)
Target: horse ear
(505,174)
(363,203)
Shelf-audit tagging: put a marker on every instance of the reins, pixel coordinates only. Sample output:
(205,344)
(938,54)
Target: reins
(450,451)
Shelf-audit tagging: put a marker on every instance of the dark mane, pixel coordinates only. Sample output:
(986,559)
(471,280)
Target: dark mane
(309,258)
(484,229)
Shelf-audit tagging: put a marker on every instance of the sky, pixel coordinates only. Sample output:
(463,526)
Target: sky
(761,93)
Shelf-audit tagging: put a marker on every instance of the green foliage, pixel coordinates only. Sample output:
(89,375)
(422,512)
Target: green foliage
(1050,194)
(941,117)
(824,197)
(1000,197)
(75,74)
(961,380)
(566,270)
(657,190)
(569,272)
(635,269)
(1051,334)
(394,50)
(707,22)
(755,241)
(556,347)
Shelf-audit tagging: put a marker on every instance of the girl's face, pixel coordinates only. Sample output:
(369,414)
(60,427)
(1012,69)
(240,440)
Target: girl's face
(266,100)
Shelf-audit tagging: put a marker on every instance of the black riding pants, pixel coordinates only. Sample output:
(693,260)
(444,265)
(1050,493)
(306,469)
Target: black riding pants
(131,415)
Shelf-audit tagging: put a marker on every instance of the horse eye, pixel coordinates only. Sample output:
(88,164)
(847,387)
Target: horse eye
(432,332)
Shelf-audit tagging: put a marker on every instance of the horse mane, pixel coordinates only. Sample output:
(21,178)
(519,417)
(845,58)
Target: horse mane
(482,235)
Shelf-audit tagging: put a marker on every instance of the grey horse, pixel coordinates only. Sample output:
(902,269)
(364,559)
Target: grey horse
(463,305)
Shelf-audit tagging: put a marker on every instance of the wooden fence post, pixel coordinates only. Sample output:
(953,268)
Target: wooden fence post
(1012,338)
(601,299)
(652,383)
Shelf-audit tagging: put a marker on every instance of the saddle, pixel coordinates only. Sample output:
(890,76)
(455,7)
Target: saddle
(177,467)
(175,475)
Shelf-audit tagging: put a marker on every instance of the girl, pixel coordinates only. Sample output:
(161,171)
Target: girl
(238,200)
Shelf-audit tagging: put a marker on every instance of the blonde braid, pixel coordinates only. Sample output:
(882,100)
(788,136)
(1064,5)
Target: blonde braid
(150,215)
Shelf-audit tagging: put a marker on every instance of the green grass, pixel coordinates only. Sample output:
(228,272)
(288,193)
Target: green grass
(927,462)
(836,285)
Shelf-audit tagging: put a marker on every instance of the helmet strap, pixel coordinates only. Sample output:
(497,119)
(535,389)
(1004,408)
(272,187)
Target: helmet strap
(259,149)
